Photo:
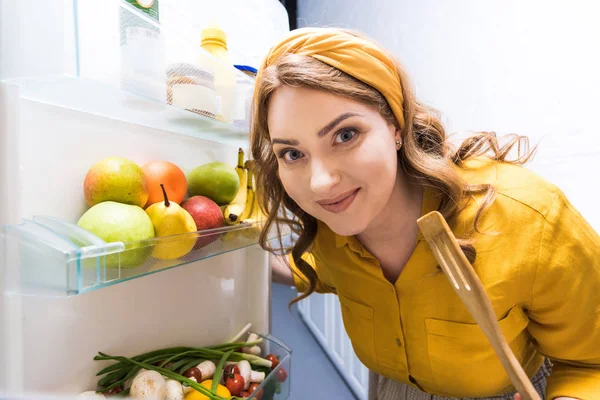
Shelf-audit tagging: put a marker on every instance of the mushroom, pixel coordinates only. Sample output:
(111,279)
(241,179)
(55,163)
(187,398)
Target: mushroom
(91,394)
(253,337)
(186,388)
(249,375)
(148,385)
(207,369)
(174,390)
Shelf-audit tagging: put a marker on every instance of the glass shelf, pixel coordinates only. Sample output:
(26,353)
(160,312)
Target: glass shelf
(96,98)
(46,256)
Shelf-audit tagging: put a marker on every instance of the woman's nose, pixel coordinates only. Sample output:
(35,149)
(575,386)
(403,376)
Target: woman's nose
(324,177)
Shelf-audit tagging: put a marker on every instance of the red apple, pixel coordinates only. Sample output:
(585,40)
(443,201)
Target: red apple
(206,214)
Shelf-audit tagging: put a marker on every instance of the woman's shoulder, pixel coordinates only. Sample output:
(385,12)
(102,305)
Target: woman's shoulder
(514,184)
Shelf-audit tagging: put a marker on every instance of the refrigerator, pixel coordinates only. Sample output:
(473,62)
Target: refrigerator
(82,80)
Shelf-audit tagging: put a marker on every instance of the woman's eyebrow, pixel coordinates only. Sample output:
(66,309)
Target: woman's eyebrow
(285,141)
(325,130)
(322,132)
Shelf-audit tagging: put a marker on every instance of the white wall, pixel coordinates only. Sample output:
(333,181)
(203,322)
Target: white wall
(508,66)
(531,68)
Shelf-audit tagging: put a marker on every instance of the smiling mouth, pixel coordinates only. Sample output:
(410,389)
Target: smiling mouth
(340,203)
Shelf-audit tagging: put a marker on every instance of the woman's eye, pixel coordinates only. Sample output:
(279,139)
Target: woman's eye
(290,155)
(345,136)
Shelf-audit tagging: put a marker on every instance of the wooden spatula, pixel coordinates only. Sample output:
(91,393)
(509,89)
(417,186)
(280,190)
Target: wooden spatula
(469,288)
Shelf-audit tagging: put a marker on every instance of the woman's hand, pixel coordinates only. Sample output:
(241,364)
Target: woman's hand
(518,397)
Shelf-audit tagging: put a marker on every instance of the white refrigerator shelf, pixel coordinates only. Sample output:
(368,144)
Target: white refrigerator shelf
(100,99)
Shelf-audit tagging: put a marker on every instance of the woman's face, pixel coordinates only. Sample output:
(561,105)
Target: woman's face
(337,157)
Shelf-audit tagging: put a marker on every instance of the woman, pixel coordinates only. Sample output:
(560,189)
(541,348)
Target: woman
(342,144)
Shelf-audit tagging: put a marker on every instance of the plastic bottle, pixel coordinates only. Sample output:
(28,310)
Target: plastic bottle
(142,50)
(214,41)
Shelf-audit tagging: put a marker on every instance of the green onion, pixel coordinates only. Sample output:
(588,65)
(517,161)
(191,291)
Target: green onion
(219,371)
(181,359)
(165,372)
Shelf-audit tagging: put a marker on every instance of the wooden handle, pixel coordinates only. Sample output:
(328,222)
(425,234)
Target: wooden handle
(489,324)
(469,288)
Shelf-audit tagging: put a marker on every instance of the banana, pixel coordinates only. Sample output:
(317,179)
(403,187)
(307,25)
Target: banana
(250,194)
(256,215)
(233,211)
(248,208)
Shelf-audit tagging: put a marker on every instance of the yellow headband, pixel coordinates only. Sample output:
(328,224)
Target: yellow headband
(353,55)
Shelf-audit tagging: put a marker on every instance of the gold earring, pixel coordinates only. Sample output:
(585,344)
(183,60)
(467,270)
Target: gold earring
(398,144)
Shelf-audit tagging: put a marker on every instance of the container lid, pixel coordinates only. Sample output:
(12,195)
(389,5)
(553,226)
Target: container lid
(214,34)
(246,68)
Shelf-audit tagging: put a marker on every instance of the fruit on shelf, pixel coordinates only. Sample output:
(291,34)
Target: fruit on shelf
(233,211)
(216,180)
(253,213)
(206,214)
(170,219)
(115,179)
(118,222)
(171,176)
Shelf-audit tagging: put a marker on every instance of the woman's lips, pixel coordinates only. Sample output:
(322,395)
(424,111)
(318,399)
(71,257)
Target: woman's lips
(341,203)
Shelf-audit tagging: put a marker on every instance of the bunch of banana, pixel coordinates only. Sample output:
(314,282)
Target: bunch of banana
(233,211)
(255,214)
(250,213)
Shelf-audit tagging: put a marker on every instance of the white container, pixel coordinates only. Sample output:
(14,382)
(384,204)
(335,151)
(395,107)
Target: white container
(192,89)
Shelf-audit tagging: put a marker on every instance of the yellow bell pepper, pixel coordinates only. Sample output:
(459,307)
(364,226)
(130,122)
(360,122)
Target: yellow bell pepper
(196,395)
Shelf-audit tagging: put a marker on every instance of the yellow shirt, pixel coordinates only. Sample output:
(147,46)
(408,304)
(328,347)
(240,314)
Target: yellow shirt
(541,271)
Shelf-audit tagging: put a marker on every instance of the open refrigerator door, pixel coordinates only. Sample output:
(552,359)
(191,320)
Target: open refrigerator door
(90,79)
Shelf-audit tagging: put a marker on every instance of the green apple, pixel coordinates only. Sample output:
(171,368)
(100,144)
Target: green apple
(117,222)
(216,180)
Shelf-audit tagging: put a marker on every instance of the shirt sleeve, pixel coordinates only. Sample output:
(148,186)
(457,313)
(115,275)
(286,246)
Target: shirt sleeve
(300,280)
(565,307)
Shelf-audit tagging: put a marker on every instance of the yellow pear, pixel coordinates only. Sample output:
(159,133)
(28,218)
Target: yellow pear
(170,219)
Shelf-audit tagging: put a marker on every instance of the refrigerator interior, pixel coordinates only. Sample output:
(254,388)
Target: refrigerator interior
(71,94)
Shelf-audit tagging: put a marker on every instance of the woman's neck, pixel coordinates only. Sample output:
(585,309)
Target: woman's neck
(391,236)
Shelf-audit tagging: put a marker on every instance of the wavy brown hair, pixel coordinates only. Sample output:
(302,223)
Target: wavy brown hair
(427,154)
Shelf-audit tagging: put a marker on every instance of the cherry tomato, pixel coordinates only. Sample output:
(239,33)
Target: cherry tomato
(231,370)
(274,360)
(235,384)
(245,393)
(193,373)
(252,389)
(281,375)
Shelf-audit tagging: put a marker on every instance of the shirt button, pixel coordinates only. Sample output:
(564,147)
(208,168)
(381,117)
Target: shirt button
(398,342)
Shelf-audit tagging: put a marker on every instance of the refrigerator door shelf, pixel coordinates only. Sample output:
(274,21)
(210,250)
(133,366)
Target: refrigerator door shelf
(50,257)
(113,45)
(95,98)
